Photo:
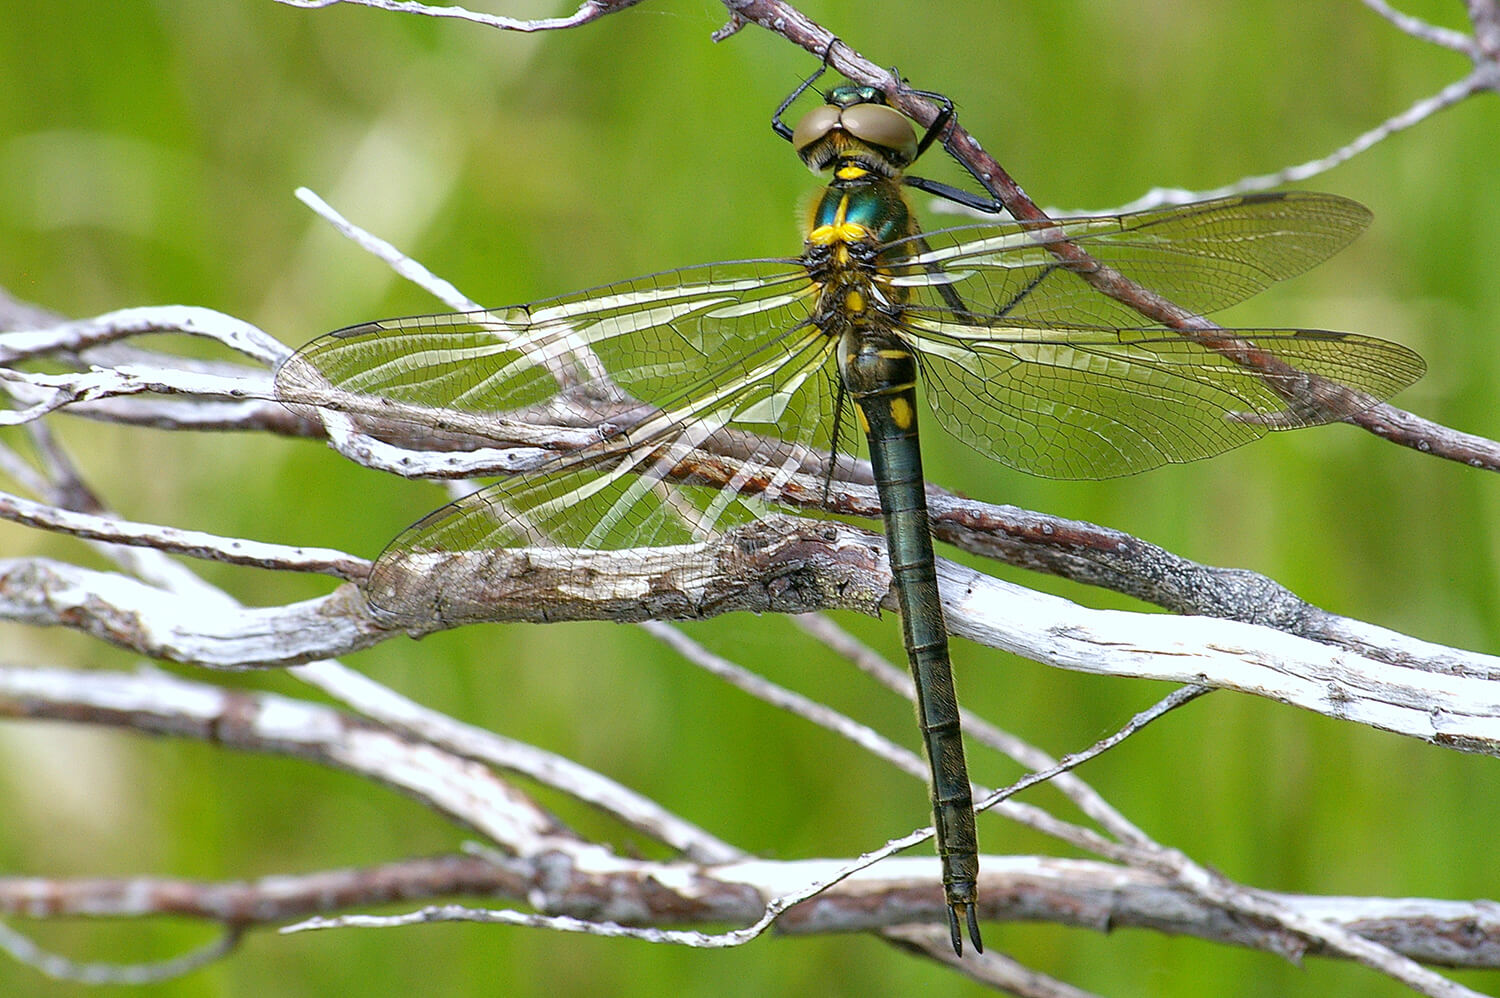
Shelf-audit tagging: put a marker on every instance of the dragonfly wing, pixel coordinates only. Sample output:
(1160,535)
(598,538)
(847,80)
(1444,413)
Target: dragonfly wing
(535,531)
(726,388)
(1203,257)
(678,477)
(1065,402)
(646,341)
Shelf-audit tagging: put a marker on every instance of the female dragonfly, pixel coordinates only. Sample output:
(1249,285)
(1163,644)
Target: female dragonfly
(756,366)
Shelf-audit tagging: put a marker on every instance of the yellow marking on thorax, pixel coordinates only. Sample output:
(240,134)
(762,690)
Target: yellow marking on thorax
(851,172)
(840,230)
(854,301)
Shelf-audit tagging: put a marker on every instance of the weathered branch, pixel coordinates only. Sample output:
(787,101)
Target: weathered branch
(787,565)
(1084,894)
(589,10)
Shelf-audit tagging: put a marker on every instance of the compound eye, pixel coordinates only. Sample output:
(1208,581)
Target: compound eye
(882,126)
(814,127)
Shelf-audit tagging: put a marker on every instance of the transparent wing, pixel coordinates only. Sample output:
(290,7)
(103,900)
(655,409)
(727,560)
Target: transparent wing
(1203,256)
(648,497)
(653,341)
(1029,364)
(1065,402)
(715,391)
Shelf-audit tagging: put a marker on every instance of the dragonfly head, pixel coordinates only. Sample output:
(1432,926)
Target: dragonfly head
(856,127)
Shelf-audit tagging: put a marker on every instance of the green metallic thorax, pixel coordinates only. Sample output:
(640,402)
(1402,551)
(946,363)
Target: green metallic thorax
(875,203)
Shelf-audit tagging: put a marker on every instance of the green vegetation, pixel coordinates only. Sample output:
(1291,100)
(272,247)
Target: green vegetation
(148,154)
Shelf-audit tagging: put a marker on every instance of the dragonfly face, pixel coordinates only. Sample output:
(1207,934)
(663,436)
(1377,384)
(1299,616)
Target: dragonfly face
(856,124)
(677,403)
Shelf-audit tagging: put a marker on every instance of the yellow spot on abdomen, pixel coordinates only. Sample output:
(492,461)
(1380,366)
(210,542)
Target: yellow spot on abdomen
(901,413)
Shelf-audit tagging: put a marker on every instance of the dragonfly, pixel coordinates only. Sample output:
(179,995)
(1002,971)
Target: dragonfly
(696,399)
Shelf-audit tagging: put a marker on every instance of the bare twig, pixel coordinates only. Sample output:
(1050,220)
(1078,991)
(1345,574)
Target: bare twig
(589,10)
(25,951)
(230,550)
(976,729)
(21,344)
(1420,29)
(1418,112)
(398,261)
(379,703)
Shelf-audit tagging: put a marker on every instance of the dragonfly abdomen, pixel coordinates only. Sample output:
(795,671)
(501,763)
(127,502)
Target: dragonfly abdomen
(880,374)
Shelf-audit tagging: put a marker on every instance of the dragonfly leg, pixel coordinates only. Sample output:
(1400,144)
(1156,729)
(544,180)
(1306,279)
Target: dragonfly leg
(946,113)
(957,195)
(939,123)
(777,125)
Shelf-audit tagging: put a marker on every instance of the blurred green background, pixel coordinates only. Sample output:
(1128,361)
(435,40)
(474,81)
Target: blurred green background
(148,153)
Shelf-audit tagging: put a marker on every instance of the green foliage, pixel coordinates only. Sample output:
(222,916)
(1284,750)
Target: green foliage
(148,153)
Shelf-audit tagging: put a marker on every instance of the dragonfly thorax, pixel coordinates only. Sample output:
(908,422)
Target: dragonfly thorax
(850,298)
(870,209)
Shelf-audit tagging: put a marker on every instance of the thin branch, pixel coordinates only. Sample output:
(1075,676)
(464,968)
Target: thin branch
(1419,111)
(19,344)
(1485,16)
(398,261)
(908,761)
(194,543)
(17,469)
(60,968)
(976,729)
(1421,30)
(381,704)
(588,11)
(266,723)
